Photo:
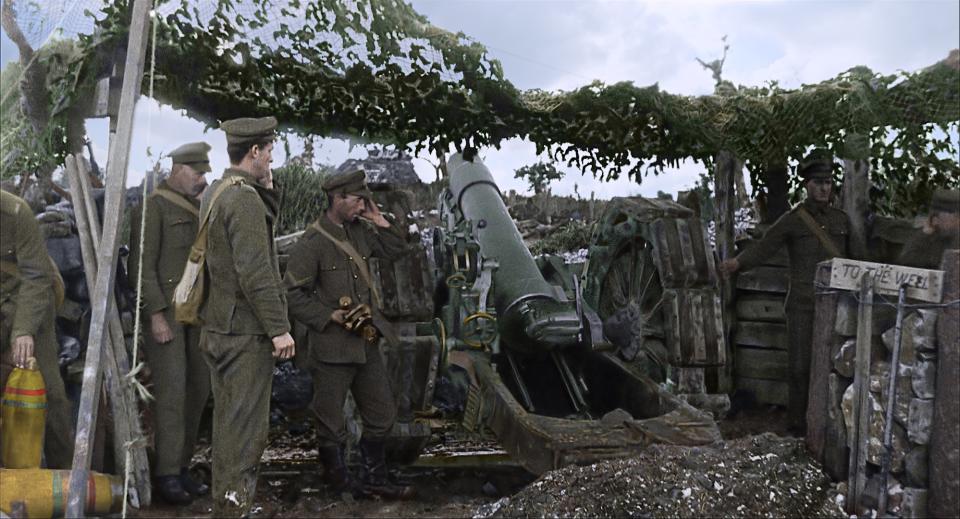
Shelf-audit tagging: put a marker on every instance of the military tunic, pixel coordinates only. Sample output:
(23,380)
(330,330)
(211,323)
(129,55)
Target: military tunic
(181,377)
(805,250)
(318,274)
(926,250)
(245,307)
(27,308)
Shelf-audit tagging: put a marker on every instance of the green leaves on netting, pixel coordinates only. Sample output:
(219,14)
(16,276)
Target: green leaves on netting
(27,147)
(377,71)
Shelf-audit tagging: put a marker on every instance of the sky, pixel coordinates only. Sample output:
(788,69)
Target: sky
(551,45)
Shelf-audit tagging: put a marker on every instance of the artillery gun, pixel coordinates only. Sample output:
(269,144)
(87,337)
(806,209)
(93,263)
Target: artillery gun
(543,376)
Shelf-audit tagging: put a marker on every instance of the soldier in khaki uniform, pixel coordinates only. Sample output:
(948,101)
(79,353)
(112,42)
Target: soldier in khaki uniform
(27,314)
(245,312)
(941,232)
(813,231)
(181,378)
(327,285)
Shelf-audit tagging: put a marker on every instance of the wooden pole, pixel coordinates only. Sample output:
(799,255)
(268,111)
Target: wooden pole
(89,229)
(725,208)
(944,497)
(123,399)
(857,477)
(855,193)
(123,402)
(101,302)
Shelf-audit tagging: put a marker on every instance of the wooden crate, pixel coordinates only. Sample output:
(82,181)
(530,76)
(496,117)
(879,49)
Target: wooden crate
(765,279)
(763,307)
(761,363)
(694,328)
(774,392)
(761,335)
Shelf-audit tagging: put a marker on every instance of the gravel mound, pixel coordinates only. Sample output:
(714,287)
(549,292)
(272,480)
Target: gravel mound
(755,476)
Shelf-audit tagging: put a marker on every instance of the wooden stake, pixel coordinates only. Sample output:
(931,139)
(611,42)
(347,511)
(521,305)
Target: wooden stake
(101,302)
(123,399)
(725,208)
(857,476)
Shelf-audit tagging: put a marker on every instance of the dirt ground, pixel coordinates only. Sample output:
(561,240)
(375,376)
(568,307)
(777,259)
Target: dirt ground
(663,480)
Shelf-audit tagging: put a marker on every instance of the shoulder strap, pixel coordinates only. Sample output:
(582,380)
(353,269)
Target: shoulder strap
(825,240)
(177,200)
(355,256)
(199,248)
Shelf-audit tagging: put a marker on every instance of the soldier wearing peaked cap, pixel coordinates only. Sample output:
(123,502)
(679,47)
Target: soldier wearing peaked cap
(813,231)
(330,291)
(941,232)
(181,378)
(244,316)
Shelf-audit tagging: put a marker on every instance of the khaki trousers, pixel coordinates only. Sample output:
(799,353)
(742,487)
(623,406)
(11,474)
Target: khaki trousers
(181,388)
(370,386)
(241,374)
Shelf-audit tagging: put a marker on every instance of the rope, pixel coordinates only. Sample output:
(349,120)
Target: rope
(131,377)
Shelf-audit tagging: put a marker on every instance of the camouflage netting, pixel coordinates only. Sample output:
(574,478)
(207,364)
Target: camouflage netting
(377,71)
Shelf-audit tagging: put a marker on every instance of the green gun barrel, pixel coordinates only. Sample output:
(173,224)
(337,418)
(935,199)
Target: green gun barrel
(533,314)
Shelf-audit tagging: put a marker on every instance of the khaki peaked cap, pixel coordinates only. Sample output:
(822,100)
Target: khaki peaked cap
(350,183)
(817,165)
(193,154)
(249,129)
(946,200)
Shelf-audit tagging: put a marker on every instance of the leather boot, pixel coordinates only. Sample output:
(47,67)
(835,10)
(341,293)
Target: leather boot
(335,471)
(376,478)
(172,492)
(192,486)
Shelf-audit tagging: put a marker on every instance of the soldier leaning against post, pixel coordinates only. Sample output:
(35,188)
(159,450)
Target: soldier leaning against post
(27,320)
(181,378)
(329,291)
(813,231)
(245,313)
(941,232)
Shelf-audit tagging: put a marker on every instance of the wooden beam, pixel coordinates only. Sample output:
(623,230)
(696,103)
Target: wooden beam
(857,475)
(100,300)
(824,433)
(944,497)
(855,191)
(123,403)
(123,399)
(725,208)
(89,230)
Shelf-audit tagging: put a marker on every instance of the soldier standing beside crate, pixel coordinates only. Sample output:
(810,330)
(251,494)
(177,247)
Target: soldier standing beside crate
(245,312)
(330,291)
(813,231)
(27,284)
(181,378)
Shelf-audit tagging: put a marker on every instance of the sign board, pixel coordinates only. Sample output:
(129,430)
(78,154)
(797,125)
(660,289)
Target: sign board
(922,284)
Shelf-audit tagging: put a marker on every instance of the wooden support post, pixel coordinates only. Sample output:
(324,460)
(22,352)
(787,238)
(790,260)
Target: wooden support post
(101,302)
(725,208)
(944,500)
(823,434)
(855,193)
(123,399)
(857,476)
(89,230)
